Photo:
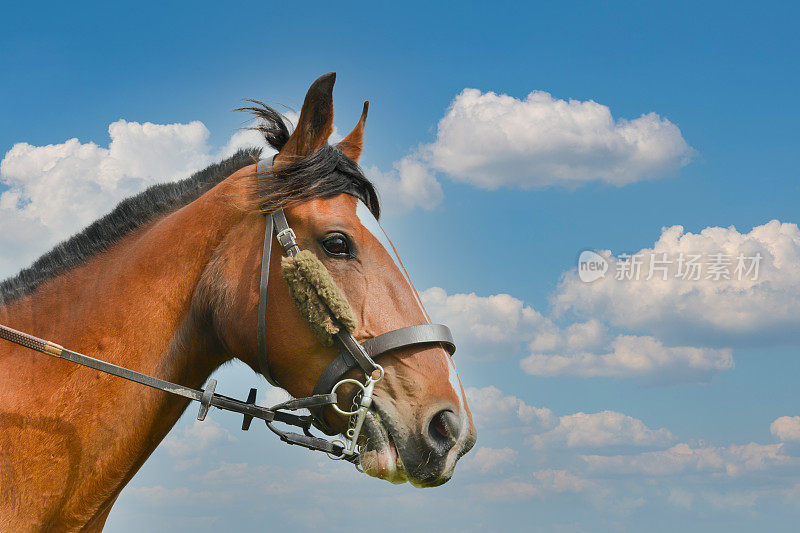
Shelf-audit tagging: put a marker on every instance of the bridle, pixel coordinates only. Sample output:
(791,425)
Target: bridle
(352,355)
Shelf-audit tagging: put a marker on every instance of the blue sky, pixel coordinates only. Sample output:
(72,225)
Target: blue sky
(722,74)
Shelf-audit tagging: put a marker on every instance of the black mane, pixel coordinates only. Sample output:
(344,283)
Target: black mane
(325,173)
(130,214)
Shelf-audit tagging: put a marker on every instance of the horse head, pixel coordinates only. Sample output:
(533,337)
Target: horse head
(419,424)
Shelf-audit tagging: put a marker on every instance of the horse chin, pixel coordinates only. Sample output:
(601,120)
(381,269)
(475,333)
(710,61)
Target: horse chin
(379,456)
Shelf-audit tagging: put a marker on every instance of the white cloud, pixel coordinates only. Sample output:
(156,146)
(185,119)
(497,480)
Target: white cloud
(487,327)
(506,490)
(264,479)
(645,358)
(249,138)
(491,408)
(408,185)
(487,460)
(707,311)
(245,139)
(544,482)
(731,461)
(582,336)
(786,428)
(490,141)
(68,184)
(57,189)
(274,396)
(187,446)
(597,430)
(496,327)
(562,481)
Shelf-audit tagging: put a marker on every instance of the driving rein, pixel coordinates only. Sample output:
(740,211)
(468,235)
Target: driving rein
(352,355)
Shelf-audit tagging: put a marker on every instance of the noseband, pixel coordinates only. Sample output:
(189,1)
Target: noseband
(352,355)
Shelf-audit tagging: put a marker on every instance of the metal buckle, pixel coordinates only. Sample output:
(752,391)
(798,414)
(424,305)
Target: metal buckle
(289,232)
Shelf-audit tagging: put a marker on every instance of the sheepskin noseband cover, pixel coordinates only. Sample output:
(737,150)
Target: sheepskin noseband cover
(316,295)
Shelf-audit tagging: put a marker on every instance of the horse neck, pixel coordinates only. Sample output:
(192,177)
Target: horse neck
(132,305)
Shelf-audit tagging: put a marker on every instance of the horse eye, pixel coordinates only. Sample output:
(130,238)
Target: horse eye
(336,246)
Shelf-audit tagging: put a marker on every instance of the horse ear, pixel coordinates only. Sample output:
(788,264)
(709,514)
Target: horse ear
(354,142)
(315,124)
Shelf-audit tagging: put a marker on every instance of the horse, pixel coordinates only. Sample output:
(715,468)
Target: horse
(167,284)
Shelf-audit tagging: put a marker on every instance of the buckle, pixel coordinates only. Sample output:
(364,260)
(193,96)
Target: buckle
(292,238)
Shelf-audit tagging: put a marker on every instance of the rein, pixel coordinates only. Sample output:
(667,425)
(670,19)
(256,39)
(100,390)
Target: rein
(352,355)
(207,397)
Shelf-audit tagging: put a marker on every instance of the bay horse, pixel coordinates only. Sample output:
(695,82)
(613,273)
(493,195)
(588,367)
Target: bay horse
(168,284)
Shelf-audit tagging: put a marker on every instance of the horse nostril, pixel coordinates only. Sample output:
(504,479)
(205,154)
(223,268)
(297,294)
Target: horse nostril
(443,430)
(437,425)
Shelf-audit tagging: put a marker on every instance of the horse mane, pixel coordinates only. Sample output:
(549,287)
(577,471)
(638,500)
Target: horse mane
(127,216)
(325,173)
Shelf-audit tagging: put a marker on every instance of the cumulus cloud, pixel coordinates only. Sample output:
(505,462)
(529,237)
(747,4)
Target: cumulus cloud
(786,428)
(499,326)
(760,307)
(506,490)
(494,140)
(598,430)
(70,183)
(487,327)
(731,461)
(631,356)
(582,336)
(274,396)
(187,445)
(250,138)
(265,479)
(544,482)
(57,189)
(490,459)
(562,481)
(491,140)
(492,408)
(408,185)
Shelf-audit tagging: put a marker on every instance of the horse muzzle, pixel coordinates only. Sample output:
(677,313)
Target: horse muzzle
(424,456)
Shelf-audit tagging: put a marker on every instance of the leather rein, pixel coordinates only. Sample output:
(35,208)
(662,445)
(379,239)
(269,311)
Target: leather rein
(352,355)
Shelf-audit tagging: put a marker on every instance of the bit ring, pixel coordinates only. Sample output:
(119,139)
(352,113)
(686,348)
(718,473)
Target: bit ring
(336,406)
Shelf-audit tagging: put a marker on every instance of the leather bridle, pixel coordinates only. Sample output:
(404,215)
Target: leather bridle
(352,355)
